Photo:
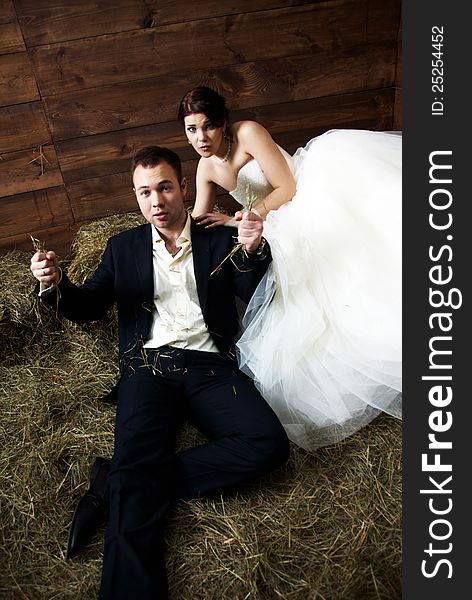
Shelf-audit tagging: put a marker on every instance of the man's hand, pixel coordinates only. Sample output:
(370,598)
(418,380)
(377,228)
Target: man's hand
(45,268)
(250,226)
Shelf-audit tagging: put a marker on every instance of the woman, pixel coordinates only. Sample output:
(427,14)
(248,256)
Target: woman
(322,336)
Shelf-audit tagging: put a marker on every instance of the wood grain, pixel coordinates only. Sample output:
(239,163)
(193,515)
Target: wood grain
(110,194)
(17,82)
(292,125)
(111,75)
(113,194)
(383,19)
(7,11)
(136,55)
(23,126)
(11,39)
(21,171)
(34,210)
(102,196)
(58,239)
(111,152)
(169,11)
(49,21)
(134,104)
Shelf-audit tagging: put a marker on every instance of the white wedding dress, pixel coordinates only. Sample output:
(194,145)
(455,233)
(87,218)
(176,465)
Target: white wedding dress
(322,333)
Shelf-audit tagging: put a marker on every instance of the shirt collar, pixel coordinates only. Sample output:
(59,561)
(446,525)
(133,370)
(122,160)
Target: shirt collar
(183,237)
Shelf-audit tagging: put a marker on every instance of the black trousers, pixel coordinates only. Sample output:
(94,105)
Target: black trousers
(159,390)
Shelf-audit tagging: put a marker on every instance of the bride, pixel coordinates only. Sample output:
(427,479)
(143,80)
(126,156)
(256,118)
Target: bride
(322,333)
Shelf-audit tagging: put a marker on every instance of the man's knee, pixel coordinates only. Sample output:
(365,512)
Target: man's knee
(281,446)
(272,448)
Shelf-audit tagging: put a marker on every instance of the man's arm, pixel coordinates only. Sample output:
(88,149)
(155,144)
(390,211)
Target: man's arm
(80,304)
(250,226)
(252,262)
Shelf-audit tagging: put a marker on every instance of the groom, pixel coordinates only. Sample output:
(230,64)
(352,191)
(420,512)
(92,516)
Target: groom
(177,325)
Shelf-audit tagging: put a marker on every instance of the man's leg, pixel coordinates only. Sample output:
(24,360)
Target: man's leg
(246,440)
(140,486)
(246,437)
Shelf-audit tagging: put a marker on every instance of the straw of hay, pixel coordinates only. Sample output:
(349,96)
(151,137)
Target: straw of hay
(15,275)
(90,241)
(21,321)
(326,526)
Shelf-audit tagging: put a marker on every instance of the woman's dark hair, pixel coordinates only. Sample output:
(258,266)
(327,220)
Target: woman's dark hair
(151,156)
(204,100)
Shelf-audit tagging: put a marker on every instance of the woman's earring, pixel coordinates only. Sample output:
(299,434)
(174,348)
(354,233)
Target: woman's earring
(189,141)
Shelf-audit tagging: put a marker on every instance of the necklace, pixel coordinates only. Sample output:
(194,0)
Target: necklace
(225,158)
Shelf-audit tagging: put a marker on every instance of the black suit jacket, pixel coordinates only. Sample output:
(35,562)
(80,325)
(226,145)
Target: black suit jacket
(125,276)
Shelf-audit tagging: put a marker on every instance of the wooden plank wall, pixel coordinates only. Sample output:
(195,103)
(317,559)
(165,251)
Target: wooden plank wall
(84,83)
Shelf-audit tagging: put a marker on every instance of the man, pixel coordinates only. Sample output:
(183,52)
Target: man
(177,323)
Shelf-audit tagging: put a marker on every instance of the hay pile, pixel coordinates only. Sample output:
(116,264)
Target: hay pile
(325,527)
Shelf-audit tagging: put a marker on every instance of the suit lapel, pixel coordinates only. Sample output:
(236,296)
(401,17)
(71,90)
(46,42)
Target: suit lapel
(142,251)
(201,262)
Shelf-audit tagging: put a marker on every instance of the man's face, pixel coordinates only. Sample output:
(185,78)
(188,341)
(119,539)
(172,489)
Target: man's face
(161,196)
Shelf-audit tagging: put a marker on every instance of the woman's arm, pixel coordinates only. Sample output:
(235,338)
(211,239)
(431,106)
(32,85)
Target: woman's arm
(206,191)
(206,199)
(256,141)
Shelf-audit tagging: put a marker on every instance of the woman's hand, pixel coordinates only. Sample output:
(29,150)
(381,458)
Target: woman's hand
(214,219)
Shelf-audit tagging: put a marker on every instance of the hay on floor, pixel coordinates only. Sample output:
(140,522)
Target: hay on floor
(325,527)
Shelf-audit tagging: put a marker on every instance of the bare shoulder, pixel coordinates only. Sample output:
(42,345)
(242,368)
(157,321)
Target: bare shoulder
(247,130)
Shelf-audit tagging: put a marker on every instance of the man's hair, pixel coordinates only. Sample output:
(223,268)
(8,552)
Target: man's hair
(203,99)
(151,156)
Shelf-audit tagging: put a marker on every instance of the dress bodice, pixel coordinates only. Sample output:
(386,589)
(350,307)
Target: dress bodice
(252,180)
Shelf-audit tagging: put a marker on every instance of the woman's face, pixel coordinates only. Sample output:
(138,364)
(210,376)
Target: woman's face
(205,137)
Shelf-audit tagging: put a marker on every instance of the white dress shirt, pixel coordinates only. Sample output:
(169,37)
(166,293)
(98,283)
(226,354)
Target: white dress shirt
(177,315)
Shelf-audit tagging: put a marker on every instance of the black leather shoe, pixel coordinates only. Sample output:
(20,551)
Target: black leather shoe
(92,510)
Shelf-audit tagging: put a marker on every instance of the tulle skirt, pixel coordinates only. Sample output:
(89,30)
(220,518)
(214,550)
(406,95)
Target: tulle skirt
(322,334)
